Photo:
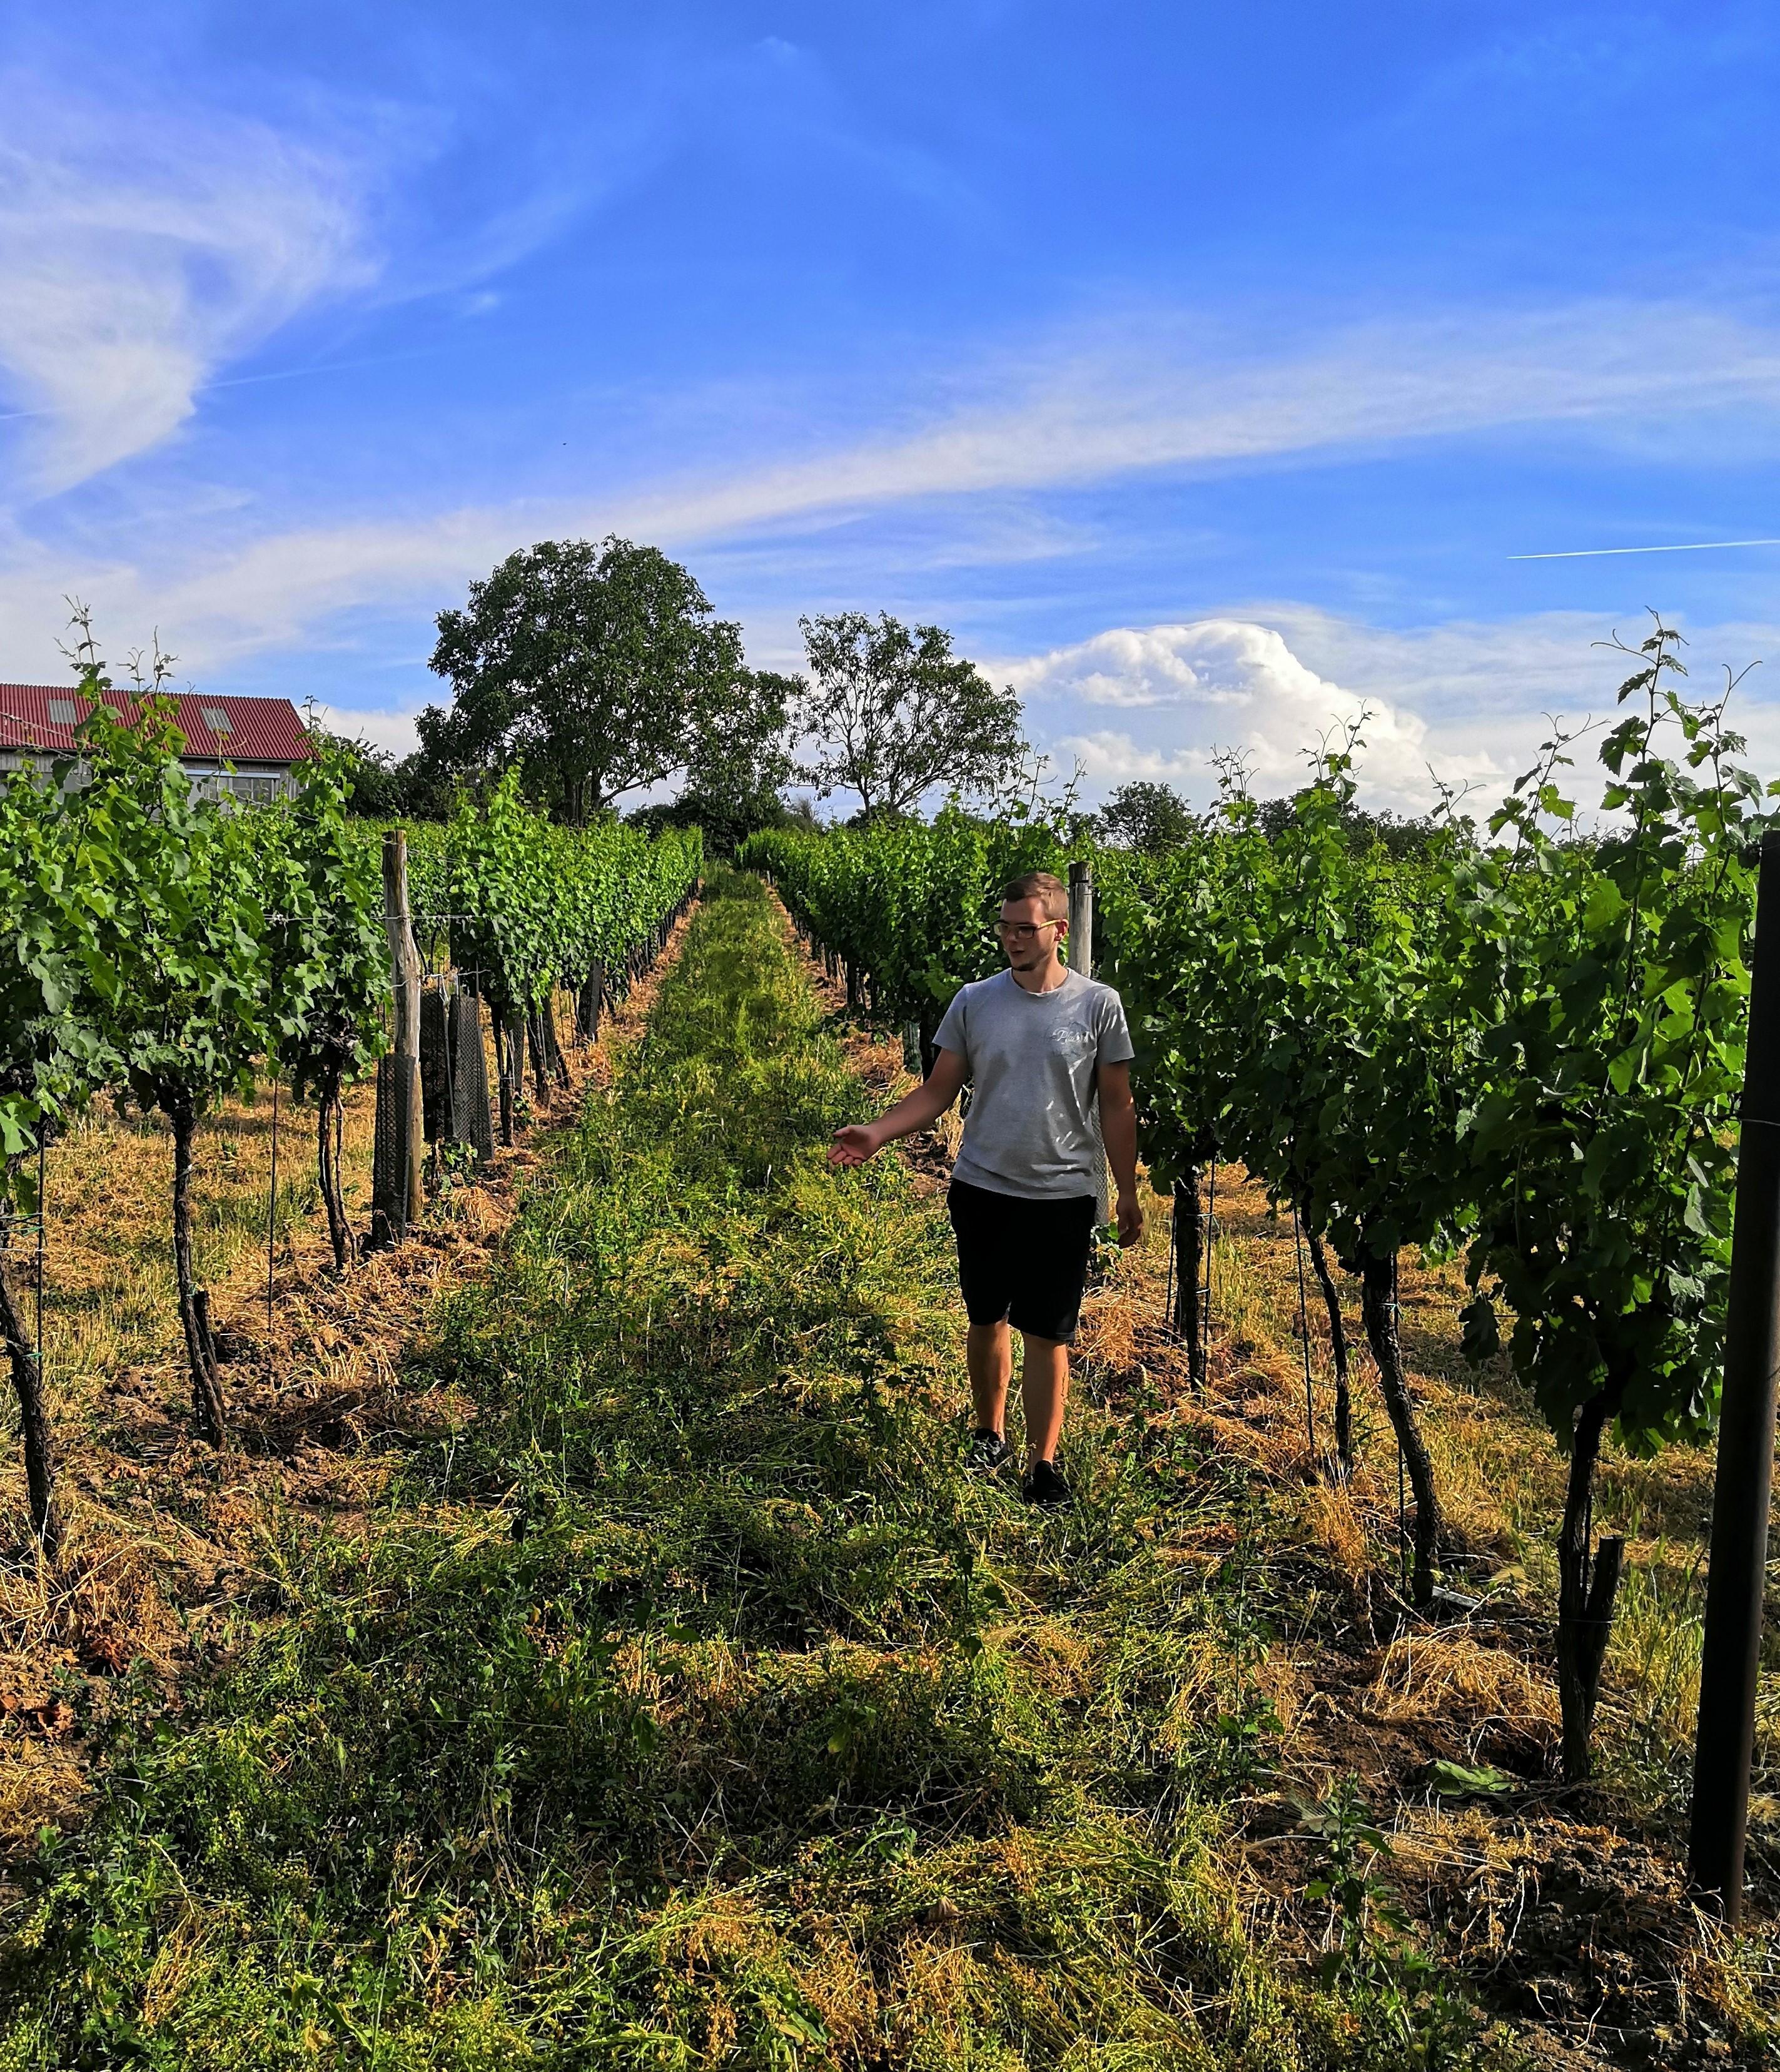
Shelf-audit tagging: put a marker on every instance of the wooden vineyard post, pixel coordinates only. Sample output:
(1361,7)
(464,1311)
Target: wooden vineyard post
(1081,959)
(1731,1653)
(396,1184)
(1081,918)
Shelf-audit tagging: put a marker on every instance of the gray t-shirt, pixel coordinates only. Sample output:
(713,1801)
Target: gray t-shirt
(1032,1058)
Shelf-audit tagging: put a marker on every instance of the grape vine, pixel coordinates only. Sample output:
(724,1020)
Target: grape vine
(1522,1046)
(169,951)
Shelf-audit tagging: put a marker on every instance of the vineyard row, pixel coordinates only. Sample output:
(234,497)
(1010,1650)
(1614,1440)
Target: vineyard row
(1522,1046)
(165,950)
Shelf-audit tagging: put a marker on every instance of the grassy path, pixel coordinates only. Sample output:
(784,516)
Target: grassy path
(673,1700)
(686,1706)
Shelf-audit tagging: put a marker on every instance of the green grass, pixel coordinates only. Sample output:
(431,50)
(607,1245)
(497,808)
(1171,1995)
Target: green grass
(688,1706)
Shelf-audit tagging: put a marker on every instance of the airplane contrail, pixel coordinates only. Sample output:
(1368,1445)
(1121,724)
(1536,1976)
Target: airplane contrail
(1687,547)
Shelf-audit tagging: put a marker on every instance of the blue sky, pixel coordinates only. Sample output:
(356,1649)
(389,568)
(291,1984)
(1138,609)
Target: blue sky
(1202,368)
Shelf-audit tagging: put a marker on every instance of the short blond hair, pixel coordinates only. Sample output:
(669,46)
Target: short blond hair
(1039,885)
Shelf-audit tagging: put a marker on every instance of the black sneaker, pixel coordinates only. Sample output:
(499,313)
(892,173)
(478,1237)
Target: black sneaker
(1042,1485)
(987,1452)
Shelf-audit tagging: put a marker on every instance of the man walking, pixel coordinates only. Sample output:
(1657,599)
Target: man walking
(1039,1044)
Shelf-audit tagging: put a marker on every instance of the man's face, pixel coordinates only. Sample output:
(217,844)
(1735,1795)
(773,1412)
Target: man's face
(1029,933)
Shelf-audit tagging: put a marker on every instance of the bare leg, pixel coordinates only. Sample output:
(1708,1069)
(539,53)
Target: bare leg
(989,1353)
(1044,1390)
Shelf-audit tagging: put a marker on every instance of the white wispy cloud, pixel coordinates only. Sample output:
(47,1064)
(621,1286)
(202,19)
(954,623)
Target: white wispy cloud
(142,277)
(1084,412)
(138,253)
(1167,392)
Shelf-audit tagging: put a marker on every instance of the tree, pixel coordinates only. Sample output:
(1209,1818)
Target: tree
(1148,817)
(739,768)
(382,786)
(600,669)
(1400,838)
(890,714)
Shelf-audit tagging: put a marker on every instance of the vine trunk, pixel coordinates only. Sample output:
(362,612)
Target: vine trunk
(503,1074)
(1337,1352)
(327,1168)
(1588,1583)
(535,1042)
(40,1450)
(1378,1305)
(1189,1231)
(206,1388)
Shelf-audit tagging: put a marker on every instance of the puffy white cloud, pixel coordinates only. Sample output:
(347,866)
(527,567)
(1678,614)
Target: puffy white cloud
(1466,703)
(1215,683)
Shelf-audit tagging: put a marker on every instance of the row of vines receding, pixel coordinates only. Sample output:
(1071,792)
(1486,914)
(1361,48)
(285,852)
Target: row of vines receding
(166,951)
(1521,1044)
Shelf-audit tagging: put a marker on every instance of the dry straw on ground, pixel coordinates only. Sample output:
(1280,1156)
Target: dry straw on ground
(164,1536)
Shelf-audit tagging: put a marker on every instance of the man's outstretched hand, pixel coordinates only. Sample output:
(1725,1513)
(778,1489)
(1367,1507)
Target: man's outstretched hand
(854,1145)
(1131,1219)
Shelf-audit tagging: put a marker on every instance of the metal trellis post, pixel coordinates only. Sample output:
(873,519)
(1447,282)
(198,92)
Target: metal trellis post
(1732,1648)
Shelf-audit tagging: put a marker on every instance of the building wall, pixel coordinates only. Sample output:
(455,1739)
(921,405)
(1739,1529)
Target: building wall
(258,784)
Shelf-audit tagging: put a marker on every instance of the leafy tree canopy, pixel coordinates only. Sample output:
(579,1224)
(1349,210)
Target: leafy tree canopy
(597,669)
(890,713)
(1148,817)
(1401,838)
(735,778)
(380,785)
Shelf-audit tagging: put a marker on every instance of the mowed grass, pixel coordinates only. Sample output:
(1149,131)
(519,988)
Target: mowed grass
(686,1705)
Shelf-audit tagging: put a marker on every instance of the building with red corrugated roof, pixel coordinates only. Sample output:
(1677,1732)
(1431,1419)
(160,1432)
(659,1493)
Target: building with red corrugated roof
(240,748)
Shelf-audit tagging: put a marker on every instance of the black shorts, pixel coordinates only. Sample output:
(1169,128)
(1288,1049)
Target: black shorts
(1022,1259)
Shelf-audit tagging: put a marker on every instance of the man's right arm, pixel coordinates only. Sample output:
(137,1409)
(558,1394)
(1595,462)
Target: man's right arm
(919,1110)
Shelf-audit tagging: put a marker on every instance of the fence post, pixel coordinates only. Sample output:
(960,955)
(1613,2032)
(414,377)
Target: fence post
(1731,1652)
(1081,918)
(407,1116)
(1081,959)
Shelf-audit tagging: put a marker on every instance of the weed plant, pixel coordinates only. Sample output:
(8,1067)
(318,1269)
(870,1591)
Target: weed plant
(689,1706)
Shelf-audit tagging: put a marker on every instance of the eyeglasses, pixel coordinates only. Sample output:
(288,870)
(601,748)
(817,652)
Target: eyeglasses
(1022,932)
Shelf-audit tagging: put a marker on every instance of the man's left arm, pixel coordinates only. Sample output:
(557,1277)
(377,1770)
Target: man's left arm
(1118,1133)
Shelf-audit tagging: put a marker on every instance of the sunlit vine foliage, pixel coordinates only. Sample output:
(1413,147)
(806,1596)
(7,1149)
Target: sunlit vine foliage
(1524,1044)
